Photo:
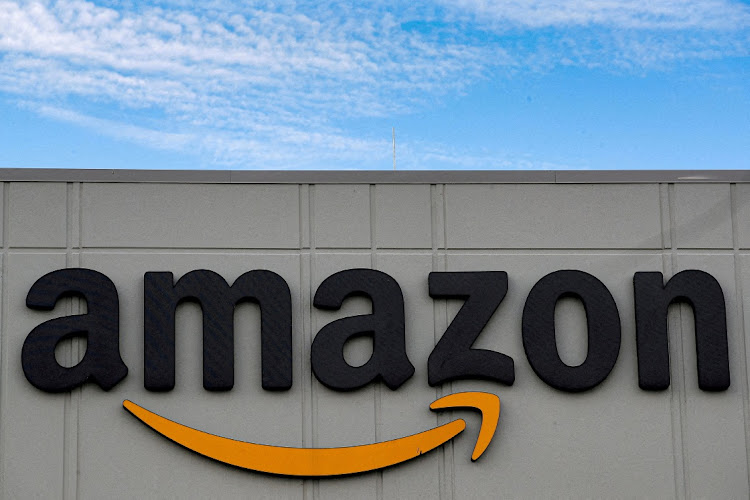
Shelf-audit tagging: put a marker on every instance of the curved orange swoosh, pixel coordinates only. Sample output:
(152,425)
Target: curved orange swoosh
(317,462)
(487,403)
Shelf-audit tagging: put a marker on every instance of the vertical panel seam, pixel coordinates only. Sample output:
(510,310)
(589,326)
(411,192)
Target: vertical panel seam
(435,317)
(664,215)
(444,208)
(3,333)
(672,217)
(674,404)
(80,215)
(377,395)
(677,388)
(313,326)
(451,448)
(305,316)
(68,398)
(300,223)
(740,322)
(440,309)
(71,424)
(78,190)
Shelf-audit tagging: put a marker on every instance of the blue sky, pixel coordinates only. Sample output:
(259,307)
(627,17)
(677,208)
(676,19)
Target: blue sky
(467,84)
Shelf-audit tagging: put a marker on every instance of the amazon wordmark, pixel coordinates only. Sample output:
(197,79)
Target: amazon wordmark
(453,357)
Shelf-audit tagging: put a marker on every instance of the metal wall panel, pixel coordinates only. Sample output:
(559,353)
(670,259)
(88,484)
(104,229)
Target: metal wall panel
(612,441)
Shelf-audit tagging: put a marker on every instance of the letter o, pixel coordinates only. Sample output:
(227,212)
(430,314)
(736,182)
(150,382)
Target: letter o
(538,327)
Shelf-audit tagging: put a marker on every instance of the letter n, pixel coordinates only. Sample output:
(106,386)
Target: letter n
(652,299)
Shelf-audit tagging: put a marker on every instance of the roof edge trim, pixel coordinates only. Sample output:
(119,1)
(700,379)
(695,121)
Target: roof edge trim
(374,176)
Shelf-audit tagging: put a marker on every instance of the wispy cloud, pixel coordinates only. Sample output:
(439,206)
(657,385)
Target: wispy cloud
(147,137)
(617,34)
(431,156)
(268,84)
(620,14)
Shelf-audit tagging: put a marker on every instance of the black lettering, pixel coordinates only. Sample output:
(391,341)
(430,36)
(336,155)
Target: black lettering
(652,299)
(453,358)
(386,326)
(217,300)
(538,325)
(102,362)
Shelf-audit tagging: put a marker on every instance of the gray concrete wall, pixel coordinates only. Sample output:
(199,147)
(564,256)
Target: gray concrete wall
(613,441)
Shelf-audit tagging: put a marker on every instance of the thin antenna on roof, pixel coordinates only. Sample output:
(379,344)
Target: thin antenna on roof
(393,131)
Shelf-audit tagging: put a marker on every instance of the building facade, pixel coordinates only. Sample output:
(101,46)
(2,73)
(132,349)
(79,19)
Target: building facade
(613,439)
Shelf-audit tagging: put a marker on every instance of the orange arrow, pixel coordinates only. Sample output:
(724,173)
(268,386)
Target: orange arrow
(330,461)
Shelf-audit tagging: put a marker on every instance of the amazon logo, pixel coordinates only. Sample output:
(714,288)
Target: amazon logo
(453,357)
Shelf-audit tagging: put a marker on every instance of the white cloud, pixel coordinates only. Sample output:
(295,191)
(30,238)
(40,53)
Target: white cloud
(621,14)
(147,137)
(618,34)
(258,84)
(265,84)
(425,156)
